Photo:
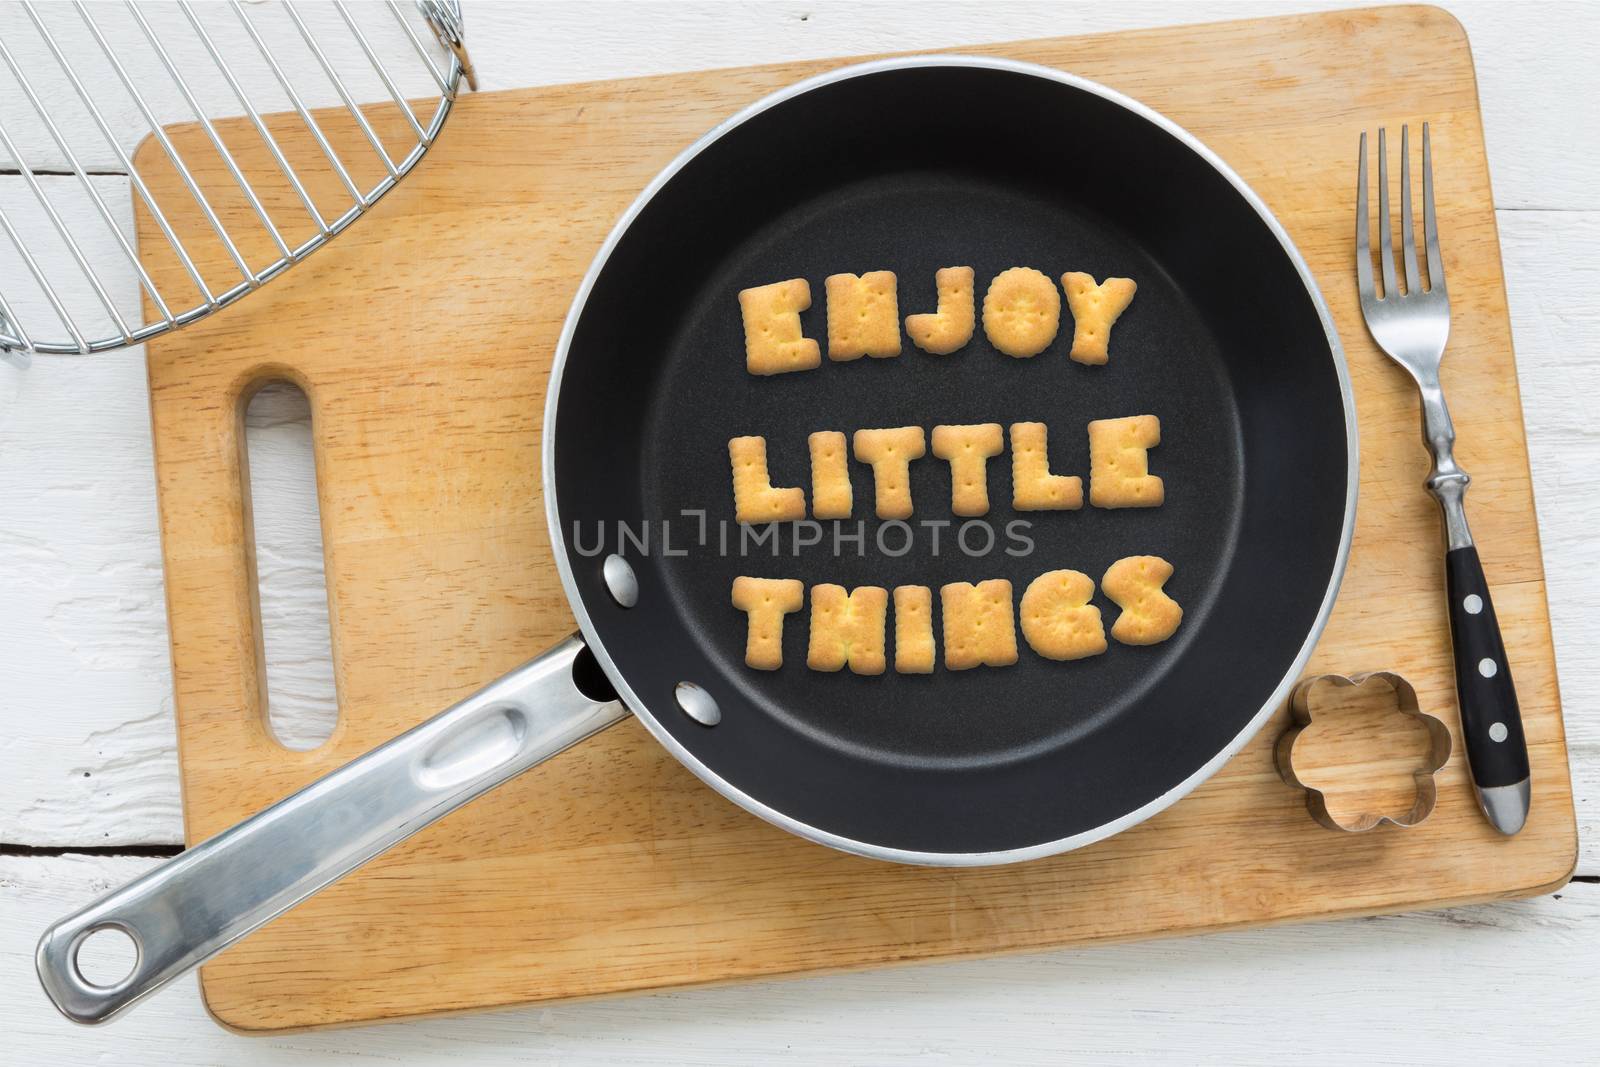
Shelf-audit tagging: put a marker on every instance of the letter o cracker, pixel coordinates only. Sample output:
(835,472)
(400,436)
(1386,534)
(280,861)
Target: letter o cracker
(968,449)
(1149,616)
(863,316)
(766,601)
(1119,463)
(1058,621)
(1095,308)
(890,453)
(754,498)
(979,629)
(943,333)
(848,628)
(1021,312)
(773,343)
(1033,487)
(913,629)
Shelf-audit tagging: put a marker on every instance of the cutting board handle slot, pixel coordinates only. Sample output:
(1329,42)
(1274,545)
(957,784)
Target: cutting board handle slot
(285,567)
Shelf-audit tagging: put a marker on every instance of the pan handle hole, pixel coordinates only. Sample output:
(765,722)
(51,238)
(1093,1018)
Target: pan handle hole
(590,677)
(284,527)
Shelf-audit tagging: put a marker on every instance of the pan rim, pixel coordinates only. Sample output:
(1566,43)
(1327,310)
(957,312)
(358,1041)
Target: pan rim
(640,707)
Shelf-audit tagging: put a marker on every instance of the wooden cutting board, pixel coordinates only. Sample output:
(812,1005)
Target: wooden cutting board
(423,338)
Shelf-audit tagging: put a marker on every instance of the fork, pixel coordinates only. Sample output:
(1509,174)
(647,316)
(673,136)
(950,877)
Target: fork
(1412,326)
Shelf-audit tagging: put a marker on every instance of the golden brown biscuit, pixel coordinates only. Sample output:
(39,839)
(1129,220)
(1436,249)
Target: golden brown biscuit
(754,498)
(848,628)
(1021,312)
(890,452)
(831,497)
(1033,487)
(773,343)
(951,328)
(766,601)
(1057,619)
(913,629)
(1095,309)
(863,316)
(1149,616)
(1119,463)
(968,449)
(978,624)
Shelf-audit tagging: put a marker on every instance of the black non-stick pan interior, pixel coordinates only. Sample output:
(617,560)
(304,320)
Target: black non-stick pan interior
(910,170)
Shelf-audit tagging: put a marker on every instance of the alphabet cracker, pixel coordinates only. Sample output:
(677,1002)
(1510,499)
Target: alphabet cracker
(1149,616)
(890,452)
(848,628)
(978,626)
(1095,308)
(951,328)
(1058,621)
(754,498)
(766,601)
(913,629)
(968,449)
(1021,312)
(863,316)
(831,497)
(773,343)
(1033,487)
(1119,463)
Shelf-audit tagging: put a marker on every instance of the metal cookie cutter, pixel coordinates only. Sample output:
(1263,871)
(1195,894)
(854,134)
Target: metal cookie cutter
(1405,695)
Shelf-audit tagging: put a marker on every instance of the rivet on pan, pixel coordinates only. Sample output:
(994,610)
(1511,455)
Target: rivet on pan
(621,582)
(697,704)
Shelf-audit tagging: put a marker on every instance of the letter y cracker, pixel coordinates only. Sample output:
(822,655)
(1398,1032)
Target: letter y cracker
(1094,309)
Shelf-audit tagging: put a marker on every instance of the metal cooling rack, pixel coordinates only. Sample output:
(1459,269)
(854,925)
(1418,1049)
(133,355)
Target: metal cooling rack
(109,67)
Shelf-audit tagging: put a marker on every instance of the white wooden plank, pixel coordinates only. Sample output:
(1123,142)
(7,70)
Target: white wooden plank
(1393,990)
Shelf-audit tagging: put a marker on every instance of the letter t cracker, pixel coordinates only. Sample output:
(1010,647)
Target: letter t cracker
(890,452)
(848,628)
(968,448)
(766,601)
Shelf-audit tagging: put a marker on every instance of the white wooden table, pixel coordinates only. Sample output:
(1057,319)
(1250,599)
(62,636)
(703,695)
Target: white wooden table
(88,778)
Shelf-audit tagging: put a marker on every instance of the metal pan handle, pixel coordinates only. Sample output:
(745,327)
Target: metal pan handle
(197,904)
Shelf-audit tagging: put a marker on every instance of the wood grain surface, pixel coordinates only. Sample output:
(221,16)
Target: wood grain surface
(423,338)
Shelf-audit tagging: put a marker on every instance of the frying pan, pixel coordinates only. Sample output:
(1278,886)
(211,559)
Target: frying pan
(907,165)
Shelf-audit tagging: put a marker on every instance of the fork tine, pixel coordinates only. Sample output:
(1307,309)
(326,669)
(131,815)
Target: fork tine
(1385,225)
(1363,227)
(1430,229)
(1408,235)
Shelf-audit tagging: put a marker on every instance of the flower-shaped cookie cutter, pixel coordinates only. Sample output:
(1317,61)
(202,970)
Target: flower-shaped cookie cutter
(1303,711)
